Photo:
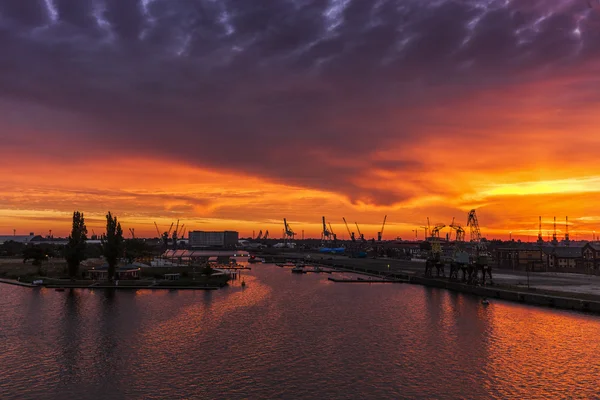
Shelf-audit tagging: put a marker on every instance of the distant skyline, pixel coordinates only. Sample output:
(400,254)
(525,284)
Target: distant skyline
(233,115)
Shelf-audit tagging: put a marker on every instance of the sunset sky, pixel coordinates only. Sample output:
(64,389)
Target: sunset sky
(233,114)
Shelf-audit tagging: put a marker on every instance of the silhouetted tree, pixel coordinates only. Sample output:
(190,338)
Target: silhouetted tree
(11,248)
(112,244)
(34,253)
(93,250)
(134,249)
(75,248)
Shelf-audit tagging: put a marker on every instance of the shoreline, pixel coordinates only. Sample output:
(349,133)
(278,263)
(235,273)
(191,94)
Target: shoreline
(557,300)
(96,286)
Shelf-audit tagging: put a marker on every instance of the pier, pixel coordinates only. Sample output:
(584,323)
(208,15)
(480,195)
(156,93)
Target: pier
(360,280)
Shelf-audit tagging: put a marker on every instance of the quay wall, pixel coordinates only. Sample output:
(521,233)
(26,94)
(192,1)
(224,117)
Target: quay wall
(561,302)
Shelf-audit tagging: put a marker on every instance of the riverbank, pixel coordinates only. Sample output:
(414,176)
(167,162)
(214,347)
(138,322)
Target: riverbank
(122,285)
(68,285)
(577,301)
(16,283)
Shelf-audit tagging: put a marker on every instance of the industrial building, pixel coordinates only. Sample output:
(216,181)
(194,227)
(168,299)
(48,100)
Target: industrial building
(213,239)
(17,238)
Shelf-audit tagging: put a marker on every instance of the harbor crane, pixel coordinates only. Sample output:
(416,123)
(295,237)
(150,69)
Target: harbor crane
(266,236)
(360,235)
(325,234)
(427,229)
(157,230)
(380,234)
(174,237)
(259,235)
(333,235)
(479,249)
(351,234)
(288,232)
(459,231)
(435,232)
(132,230)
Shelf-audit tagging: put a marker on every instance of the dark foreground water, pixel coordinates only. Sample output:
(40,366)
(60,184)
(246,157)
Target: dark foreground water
(290,336)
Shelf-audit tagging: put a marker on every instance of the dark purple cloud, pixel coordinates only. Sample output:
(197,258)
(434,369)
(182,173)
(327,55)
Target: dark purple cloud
(276,88)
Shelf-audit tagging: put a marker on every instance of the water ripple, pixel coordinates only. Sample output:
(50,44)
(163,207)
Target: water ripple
(291,336)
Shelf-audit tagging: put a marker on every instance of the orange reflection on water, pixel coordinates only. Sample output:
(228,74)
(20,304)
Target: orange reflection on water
(201,311)
(531,346)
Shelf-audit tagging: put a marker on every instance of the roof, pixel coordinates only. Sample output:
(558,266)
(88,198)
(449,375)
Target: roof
(594,246)
(567,252)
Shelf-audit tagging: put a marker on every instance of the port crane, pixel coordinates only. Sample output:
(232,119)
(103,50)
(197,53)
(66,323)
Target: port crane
(164,236)
(331,231)
(266,236)
(459,231)
(174,236)
(288,232)
(380,234)
(479,248)
(132,231)
(436,247)
(427,229)
(435,232)
(326,235)
(259,235)
(360,235)
(348,229)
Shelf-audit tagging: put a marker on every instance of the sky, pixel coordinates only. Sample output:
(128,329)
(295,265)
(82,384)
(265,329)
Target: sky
(233,114)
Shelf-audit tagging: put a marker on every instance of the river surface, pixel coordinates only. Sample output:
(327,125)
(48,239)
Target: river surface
(290,336)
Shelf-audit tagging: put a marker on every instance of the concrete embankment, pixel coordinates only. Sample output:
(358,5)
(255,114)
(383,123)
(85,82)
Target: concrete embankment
(68,285)
(564,300)
(17,283)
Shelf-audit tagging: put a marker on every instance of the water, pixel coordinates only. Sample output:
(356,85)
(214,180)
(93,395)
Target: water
(290,336)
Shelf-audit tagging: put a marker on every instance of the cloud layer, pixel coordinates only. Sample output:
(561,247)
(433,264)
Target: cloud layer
(369,100)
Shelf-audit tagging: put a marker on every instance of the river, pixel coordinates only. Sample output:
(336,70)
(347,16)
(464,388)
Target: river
(290,336)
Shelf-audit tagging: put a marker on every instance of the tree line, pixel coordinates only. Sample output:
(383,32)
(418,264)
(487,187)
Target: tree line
(113,247)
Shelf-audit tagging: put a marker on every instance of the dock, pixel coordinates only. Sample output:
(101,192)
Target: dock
(358,280)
